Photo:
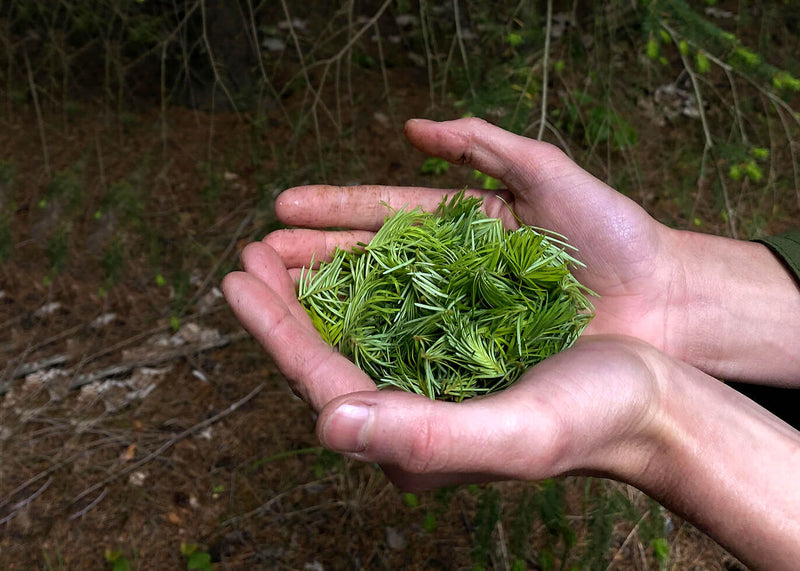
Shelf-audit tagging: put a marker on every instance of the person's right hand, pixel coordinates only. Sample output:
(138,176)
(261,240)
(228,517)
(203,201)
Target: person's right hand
(708,301)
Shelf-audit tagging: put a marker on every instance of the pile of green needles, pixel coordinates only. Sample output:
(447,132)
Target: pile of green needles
(448,305)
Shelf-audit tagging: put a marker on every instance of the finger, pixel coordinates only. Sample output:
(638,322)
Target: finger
(317,372)
(362,207)
(428,442)
(521,163)
(297,247)
(263,262)
(586,410)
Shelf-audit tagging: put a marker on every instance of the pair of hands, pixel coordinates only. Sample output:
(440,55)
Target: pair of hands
(612,404)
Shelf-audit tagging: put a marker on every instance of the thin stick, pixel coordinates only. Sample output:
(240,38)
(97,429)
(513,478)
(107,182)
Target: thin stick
(231,245)
(545,60)
(171,442)
(163,86)
(261,68)
(88,508)
(317,131)
(349,60)
(275,499)
(709,142)
(16,508)
(460,37)
(791,152)
(423,21)
(383,66)
(152,360)
(207,43)
(633,531)
(37,107)
(28,368)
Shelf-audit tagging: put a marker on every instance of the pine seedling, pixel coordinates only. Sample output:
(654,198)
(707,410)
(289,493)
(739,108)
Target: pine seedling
(449,304)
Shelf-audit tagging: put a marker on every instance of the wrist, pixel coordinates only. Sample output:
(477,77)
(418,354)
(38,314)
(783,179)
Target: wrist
(728,466)
(734,310)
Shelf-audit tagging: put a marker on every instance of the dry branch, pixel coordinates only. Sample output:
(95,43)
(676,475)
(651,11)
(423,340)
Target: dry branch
(171,442)
(126,366)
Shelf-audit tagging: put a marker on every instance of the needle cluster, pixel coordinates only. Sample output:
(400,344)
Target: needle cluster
(449,305)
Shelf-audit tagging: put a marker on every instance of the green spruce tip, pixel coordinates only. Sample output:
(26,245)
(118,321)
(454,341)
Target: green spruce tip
(448,304)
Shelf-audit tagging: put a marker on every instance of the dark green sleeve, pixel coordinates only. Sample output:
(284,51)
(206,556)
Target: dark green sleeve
(787,247)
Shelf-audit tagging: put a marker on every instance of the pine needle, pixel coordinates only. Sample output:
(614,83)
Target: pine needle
(449,305)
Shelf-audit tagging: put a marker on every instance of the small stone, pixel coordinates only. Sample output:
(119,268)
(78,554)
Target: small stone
(394,539)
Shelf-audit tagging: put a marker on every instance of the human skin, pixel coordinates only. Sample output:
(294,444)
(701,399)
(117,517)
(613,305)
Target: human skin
(622,403)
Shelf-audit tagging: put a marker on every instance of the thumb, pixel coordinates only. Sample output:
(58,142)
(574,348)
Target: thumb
(486,436)
(521,163)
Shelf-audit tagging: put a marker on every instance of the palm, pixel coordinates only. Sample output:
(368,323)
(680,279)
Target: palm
(621,245)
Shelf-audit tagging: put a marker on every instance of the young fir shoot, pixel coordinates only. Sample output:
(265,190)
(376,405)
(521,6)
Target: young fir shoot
(449,305)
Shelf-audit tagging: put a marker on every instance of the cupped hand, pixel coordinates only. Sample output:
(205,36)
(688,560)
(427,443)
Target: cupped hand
(585,409)
(628,255)
(592,409)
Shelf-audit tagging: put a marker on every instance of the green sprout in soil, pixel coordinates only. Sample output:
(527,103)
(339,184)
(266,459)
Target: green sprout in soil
(449,305)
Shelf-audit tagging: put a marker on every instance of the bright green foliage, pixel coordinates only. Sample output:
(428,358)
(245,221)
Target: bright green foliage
(411,500)
(514,39)
(448,305)
(785,80)
(747,57)
(661,551)
(487,182)
(117,560)
(701,60)
(653,48)
(196,559)
(435,165)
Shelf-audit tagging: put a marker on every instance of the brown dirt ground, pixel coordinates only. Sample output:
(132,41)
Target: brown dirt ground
(254,489)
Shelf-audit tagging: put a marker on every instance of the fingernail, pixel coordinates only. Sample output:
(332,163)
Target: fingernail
(346,429)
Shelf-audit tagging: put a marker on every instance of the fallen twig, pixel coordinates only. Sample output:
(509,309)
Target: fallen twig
(154,359)
(124,367)
(28,368)
(21,504)
(171,442)
(86,510)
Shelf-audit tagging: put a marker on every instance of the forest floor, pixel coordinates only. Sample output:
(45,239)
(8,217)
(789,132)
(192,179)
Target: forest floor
(153,455)
(139,425)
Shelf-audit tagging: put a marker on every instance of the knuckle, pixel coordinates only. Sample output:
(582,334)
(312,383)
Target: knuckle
(475,122)
(424,454)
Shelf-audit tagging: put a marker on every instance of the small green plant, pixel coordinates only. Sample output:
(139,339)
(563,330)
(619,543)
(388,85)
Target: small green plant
(57,249)
(196,559)
(487,182)
(411,500)
(432,510)
(213,189)
(113,261)
(448,305)
(486,517)
(117,560)
(435,166)
(66,188)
